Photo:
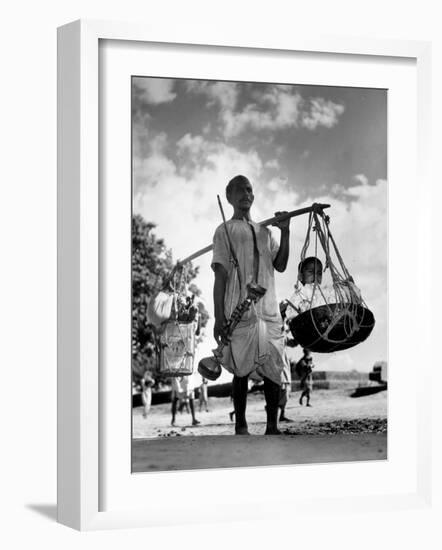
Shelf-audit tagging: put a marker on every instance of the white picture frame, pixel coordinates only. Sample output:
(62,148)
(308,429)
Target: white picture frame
(79,275)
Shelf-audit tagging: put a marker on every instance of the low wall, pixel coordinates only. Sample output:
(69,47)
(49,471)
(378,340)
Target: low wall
(159,397)
(322,380)
(334,380)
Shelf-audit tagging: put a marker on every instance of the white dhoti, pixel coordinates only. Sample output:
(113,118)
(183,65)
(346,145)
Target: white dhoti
(256,345)
(257,342)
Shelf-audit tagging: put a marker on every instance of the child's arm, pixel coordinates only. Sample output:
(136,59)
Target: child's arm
(293,304)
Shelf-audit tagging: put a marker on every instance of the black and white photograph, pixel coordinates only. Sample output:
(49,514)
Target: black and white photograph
(221,237)
(259,274)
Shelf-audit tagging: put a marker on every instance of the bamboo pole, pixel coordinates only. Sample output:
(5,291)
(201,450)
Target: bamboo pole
(299,212)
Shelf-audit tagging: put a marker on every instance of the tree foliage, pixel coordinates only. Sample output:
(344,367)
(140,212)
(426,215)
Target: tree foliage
(152,266)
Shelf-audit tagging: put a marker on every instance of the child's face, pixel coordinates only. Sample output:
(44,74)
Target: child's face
(312,272)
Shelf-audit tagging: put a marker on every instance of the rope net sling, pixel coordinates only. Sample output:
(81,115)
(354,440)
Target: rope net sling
(343,320)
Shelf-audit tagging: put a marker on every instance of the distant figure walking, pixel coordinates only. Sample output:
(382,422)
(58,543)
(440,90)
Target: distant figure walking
(286,377)
(182,389)
(183,404)
(304,369)
(204,395)
(284,393)
(147,382)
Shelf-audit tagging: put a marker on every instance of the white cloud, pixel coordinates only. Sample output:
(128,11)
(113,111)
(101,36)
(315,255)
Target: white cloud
(225,94)
(217,157)
(320,112)
(194,193)
(276,184)
(274,163)
(285,104)
(155,90)
(150,170)
(141,134)
(276,107)
(361,178)
(192,145)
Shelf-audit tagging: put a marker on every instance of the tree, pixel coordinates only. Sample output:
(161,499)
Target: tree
(152,266)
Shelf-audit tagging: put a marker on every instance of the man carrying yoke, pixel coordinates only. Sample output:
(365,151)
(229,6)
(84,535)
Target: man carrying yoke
(257,342)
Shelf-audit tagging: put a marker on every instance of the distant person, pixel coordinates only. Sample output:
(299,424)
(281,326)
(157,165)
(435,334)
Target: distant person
(204,395)
(286,377)
(304,369)
(284,392)
(183,404)
(182,389)
(147,382)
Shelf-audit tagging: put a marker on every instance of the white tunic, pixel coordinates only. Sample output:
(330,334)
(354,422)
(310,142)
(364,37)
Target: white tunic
(307,297)
(312,295)
(257,342)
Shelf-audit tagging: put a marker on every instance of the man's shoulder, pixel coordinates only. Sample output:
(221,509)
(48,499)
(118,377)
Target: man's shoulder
(219,234)
(221,226)
(260,228)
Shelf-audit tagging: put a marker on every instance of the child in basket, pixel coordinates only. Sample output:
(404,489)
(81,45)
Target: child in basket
(310,293)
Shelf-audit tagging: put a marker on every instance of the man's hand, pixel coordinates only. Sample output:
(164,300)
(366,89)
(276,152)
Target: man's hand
(318,208)
(285,224)
(219,331)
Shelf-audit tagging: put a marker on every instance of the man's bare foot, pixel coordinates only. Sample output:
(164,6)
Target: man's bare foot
(308,405)
(195,422)
(242,430)
(272,431)
(284,419)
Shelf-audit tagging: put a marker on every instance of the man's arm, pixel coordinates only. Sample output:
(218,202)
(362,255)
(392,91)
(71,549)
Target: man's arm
(281,259)
(219,291)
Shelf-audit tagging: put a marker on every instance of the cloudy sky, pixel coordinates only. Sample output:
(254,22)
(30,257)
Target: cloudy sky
(297,145)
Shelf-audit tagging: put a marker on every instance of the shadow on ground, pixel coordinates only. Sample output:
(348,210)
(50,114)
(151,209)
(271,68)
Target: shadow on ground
(48,511)
(207,452)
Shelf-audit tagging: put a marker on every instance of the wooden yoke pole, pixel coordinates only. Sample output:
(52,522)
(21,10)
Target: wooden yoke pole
(315,207)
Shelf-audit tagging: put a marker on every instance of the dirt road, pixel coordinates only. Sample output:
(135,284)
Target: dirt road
(336,428)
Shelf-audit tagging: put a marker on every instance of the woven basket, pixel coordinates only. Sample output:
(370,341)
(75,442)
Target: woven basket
(177,348)
(352,324)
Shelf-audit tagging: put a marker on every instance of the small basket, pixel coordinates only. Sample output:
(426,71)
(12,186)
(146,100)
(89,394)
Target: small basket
(332,327)
(177,348)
